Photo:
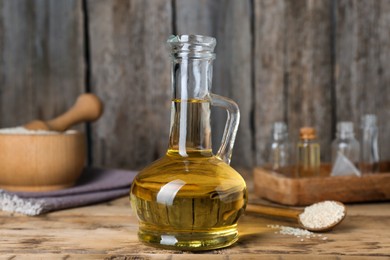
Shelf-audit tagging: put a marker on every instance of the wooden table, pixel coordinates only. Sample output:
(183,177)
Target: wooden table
(109,231)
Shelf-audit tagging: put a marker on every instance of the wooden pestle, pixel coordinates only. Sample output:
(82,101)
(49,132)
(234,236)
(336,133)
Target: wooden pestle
(88,107)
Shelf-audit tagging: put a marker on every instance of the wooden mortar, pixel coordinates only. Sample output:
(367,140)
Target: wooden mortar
(51,160)
(41,162)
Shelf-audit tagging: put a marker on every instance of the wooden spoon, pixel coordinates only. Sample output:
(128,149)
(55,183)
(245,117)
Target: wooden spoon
(299,217)
(88,107)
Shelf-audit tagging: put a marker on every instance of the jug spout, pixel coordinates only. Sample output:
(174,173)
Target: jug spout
(191,46)
(191,73)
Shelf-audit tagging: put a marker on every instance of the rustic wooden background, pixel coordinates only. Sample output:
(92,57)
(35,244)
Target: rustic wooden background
(312,62)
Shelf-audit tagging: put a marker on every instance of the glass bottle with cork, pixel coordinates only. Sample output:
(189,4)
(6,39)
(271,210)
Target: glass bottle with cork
(308,154)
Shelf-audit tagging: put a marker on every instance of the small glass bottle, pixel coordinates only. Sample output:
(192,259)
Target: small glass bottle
(369,152)
(308,154)
(346,143)
(279,147)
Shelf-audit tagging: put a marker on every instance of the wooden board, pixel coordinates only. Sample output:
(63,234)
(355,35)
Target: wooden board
(279,188)
(109,231)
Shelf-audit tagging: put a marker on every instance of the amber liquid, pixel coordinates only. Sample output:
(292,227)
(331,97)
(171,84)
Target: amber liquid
(189,199)
(308,162)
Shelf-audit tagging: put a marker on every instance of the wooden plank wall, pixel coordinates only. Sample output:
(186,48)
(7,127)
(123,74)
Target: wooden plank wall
(131,73)
(306,62)
(42,59)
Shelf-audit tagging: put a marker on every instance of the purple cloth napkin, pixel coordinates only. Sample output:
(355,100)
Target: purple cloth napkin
(94,185)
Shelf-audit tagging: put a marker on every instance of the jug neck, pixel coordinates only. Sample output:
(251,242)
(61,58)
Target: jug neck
(191,77)
(190,133)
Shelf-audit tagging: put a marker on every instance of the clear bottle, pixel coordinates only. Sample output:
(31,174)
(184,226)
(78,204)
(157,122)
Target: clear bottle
(308,154)
(279,149)
(346,143)
(369,162)
(191,199)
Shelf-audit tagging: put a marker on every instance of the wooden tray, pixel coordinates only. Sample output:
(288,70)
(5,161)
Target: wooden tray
(282,189)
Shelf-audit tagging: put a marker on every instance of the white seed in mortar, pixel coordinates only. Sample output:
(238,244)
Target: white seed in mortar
(321,215)
(23,131)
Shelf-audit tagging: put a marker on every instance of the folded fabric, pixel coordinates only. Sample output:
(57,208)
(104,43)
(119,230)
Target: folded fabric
(94,186)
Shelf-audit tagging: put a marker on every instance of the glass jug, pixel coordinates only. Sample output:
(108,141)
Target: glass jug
(191,199)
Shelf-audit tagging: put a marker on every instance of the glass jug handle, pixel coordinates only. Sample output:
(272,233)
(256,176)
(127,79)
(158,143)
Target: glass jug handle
(232,122)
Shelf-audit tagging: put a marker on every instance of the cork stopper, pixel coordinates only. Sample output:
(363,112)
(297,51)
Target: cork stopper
(307,133)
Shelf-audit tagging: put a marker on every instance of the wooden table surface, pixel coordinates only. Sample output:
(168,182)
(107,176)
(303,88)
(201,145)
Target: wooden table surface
(109,231)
